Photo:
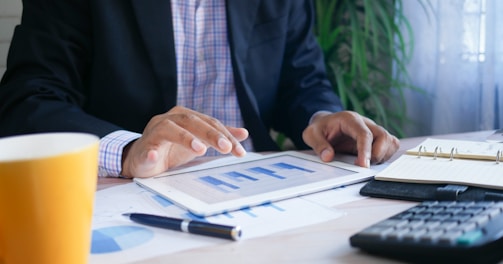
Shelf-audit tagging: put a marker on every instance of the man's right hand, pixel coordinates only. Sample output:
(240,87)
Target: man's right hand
(177,137)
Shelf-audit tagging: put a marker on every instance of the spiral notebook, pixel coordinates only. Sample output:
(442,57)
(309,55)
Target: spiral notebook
(441,161)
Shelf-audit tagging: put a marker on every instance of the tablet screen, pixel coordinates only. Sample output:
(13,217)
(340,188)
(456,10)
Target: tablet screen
(251,178)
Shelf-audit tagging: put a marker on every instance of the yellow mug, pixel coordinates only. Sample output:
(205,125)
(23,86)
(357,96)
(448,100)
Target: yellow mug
(47,187)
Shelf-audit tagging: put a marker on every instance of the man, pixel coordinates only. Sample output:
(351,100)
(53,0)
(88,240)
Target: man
(162,82)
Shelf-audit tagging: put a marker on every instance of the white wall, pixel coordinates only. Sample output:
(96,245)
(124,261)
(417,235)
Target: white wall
(10,16)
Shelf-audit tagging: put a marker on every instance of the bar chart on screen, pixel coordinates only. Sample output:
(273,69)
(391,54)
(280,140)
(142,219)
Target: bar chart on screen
(251,178)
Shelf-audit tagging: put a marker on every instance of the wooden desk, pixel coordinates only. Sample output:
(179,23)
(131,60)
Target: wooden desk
(322,243)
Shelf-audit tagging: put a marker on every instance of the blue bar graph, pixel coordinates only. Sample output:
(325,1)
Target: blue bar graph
(284,165)
(237,176)
(272,205)
(218,183)
(248,211)
(192,216)
(266,172)
(161,201)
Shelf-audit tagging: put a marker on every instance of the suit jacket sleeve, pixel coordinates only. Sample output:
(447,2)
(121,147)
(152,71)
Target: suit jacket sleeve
(99,66)
(284,67)
(89,66)
(43,88)
(304,69)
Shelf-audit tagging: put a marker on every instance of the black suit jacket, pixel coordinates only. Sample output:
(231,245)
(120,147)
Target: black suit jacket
(102,65)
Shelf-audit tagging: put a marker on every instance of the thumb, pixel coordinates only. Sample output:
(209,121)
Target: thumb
(319,144)
(147,164)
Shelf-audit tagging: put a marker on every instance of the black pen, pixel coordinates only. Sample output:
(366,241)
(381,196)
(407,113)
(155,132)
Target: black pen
(187,225)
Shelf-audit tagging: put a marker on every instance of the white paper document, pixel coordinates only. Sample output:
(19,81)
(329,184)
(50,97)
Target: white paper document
(116,239)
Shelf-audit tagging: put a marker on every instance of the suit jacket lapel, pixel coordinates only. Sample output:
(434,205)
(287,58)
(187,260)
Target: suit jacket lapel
(241,17)
(159,42)
(156,28)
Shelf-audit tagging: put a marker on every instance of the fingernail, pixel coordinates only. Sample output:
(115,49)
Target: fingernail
(224,144)
(197,145)
(367,163)
(325,155)
(240,150)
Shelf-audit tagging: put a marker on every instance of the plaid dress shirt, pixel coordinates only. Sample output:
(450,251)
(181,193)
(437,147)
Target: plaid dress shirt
(204,74)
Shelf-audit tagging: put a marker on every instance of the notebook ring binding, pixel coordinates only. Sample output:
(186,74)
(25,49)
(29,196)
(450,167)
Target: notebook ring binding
(435,153)
(420,151)
(454,151)
(451,157)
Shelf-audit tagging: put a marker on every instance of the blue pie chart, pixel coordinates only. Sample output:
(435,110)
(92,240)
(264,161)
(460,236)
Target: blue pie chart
(119,238)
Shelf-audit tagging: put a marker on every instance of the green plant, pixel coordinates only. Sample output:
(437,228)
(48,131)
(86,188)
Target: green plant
(365,48)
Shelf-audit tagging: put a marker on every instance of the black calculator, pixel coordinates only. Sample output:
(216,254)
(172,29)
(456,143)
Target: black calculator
(438,232)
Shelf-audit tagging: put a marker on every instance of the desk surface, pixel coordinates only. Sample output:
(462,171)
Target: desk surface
(327,242)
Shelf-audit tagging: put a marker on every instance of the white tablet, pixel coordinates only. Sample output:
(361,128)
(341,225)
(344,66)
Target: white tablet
(242,183)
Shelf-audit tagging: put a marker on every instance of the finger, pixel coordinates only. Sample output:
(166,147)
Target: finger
(394,146)
(240,134)
(212,132)
(203,127)
(224,140)
(364,148)
(164,130)
(314,137)
(384,147)
(384,144)
(154,152)
(358,130)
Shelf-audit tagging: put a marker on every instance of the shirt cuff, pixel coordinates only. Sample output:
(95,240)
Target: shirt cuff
(111,146)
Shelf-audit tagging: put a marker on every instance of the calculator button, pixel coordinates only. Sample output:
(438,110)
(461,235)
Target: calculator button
(376,231)
(393,223)
(453,210)
(421,216)
(445,203)
(469,237)
(440,216)
(492,212)
(404,215)
(464,203)
(414,224)
(467,226)
(414,234)
(417,209)
(480,219)
(447,225)
(473,211)
(397,234)
(449,238)
(460,217)
(485,204)
(498,205)
(431,236)
(430,225)
(435,209)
